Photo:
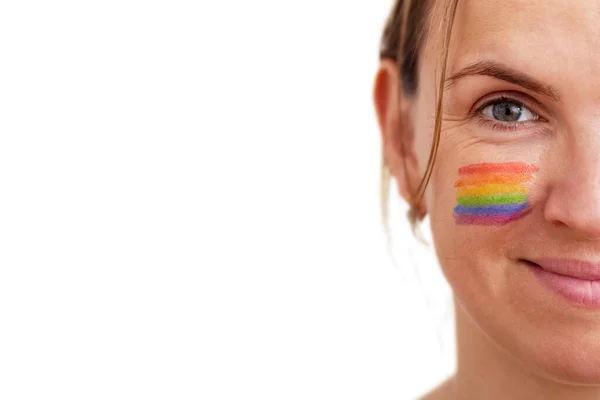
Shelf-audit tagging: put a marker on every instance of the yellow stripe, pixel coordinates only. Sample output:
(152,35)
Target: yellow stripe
(484,190)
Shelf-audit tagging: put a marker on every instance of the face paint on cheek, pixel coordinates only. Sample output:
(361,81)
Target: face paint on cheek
(492,193)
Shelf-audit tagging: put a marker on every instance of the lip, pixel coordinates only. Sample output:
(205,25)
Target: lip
(576,280)
(574,268)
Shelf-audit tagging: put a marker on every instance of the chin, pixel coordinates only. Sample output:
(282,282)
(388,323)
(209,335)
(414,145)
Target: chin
(564,356)
(522,322)
(539,332)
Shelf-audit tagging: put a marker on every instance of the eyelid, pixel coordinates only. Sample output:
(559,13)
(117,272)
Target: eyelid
(519,98)
(516,129)
(486,122)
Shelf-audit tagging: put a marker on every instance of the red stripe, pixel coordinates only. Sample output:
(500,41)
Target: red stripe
(512,167)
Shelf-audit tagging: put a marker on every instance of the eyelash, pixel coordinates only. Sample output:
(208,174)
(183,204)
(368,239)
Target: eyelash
(486,122)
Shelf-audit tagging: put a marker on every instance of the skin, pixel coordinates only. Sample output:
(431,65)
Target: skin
(515,338)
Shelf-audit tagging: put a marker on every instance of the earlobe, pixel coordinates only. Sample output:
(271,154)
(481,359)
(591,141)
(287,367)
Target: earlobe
(393,115)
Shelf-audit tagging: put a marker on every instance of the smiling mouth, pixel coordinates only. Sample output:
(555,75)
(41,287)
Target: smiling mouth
(531,264)
(576,281)
(571,268)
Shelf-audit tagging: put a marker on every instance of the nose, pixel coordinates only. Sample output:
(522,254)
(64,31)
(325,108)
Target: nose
(573,197)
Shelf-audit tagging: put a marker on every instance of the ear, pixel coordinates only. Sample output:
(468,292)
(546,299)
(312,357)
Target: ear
(397,136)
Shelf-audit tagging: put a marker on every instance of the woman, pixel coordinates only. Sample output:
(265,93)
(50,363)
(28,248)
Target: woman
(490,122)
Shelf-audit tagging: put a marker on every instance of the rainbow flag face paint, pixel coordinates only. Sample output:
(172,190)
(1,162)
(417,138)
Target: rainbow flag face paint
(492,194)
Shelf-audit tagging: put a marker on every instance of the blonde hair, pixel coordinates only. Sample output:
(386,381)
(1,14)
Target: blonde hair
(408,23)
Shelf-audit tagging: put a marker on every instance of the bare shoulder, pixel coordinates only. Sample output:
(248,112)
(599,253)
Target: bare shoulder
(440,392)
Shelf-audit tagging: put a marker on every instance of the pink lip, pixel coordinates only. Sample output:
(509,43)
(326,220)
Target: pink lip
(578,281)
(574,268)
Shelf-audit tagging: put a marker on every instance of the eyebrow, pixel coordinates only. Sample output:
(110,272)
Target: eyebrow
(505,73)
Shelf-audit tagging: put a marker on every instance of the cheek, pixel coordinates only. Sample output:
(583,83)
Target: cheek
(480,195)
(472,212)
(493,193)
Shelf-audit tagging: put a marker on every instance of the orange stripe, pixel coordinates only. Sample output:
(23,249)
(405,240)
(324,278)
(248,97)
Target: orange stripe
(510,167)
(482,179)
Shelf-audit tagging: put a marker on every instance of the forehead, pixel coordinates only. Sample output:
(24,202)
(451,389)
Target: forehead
(543,36)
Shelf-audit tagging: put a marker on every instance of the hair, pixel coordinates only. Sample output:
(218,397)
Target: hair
(408,24)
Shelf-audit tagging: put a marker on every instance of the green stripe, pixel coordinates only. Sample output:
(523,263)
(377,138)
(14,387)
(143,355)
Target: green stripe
(506,198)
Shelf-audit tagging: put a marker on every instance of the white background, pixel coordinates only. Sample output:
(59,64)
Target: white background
(189,207)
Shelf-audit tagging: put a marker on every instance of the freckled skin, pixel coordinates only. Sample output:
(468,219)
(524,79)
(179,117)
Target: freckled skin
(515,339)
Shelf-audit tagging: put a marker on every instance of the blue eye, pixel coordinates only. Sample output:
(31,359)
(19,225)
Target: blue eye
(508,110)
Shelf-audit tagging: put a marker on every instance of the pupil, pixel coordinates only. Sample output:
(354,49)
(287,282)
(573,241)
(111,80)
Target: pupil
(507,112)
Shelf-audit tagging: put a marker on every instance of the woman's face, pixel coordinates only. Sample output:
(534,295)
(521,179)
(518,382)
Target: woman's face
(517,176)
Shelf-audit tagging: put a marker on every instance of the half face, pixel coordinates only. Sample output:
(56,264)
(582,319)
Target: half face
(514,200)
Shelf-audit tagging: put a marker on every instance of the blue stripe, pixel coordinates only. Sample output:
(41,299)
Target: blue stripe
(500,209)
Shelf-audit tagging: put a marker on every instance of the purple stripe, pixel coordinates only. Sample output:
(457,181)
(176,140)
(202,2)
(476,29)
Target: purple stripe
(489,219)
(496,209)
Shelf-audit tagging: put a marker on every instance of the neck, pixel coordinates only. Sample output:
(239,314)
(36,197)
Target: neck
(486,371)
